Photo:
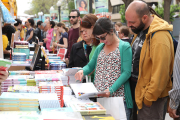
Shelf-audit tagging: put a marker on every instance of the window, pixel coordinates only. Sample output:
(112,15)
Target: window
(116,9)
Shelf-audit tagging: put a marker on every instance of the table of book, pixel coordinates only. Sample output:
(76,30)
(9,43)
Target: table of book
(45,95)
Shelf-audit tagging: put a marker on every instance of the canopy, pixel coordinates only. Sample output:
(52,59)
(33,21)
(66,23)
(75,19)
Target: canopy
(10,4)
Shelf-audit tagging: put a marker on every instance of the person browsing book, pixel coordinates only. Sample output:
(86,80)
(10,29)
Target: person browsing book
(30,31)
(61,30)
(50,25)
(112,64)
(82,52)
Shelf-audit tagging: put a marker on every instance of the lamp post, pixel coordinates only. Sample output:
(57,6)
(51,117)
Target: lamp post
(40,14)
(35,15)
(51,9)
(59,8)
(153,6)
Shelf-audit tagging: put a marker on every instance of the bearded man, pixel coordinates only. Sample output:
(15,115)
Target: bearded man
(153,58)
(73,33)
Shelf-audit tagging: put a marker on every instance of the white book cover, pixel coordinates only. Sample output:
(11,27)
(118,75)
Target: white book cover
(71,71)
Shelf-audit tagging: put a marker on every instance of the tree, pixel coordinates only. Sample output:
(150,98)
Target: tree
(122,13)
(173,8)
(127,2)
(167,4)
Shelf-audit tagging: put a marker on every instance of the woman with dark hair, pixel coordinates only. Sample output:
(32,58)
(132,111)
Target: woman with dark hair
(50,25)
(82,5)
(30,31)
(82,52)
(63,31)
(112,64)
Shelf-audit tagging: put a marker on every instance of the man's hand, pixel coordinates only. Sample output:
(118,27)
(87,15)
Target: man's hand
(172,112)
(3,75)
(45,40)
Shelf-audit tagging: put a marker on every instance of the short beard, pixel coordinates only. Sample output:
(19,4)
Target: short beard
(75,22)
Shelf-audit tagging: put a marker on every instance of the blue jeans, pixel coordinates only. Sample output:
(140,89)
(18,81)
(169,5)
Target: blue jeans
(128,111)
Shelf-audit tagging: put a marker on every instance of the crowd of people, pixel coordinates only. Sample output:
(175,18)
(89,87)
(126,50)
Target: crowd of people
(123,61)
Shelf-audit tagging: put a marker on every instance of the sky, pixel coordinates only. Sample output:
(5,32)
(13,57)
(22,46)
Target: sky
(22,5)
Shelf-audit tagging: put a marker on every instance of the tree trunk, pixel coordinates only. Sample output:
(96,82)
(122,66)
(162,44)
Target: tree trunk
(167,4)
(127,2)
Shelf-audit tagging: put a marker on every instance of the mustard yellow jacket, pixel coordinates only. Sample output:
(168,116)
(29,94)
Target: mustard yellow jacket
(156,63)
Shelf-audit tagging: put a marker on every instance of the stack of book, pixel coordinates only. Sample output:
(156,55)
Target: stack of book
(46,78)
(19,57)
(48,100)
(23,89)
(21,72)
(19,102)
(53,87)
(14,80)
(31,82)
(22,50)
(92,108)
(60,114)
(67,91)
(21,44)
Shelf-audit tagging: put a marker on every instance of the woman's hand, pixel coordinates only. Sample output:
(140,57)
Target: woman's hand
(3,75)
(54,44)
(79,75)
(107,94)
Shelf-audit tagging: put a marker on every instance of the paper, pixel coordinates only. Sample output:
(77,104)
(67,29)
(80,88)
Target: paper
(83,87)
(114,106)
(71,71)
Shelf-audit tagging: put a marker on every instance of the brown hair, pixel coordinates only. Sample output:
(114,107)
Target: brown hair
(88,21)
(63,25)
(124,30)
(118,24)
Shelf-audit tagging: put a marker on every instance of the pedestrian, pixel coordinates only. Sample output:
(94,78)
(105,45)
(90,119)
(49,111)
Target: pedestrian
(30,31)
(62,31)
(73,33)
(152,63)
(174,94)
(124,34)
(37,31)
(112,64)
(49,36)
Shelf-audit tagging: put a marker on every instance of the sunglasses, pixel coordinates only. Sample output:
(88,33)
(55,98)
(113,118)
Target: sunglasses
(101,38)
(72,17)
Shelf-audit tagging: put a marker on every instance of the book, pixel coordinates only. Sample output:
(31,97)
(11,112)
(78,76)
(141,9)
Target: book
(92,108)
(87,88)
(98,117)
(71,71)
(5,64)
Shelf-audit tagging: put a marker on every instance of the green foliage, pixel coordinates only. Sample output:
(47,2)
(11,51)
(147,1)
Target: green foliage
(122,12)
(173,8)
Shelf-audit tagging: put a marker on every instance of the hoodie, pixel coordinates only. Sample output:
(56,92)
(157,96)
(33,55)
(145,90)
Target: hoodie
(156,63)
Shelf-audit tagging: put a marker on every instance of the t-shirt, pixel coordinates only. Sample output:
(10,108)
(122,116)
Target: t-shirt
(136,51)
(64,35)
(73,36)
(127,40)
(5,42)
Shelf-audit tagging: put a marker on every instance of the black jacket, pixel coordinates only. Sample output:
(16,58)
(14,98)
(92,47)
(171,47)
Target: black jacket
(77,56)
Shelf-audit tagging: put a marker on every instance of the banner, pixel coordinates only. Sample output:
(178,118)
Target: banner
(82,6)
(101,6)
(64,15)
(47,16)
(54,15)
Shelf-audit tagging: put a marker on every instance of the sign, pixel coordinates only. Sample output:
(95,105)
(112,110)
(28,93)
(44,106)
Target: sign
(47,16)
(64,15)
(101,6)
(54,15)
(82,6)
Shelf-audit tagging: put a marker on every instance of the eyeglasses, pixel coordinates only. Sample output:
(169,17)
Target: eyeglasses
(83,31)
(72,17)
(101,38)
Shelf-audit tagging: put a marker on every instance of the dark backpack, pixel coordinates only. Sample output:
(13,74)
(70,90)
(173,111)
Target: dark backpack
(175,43)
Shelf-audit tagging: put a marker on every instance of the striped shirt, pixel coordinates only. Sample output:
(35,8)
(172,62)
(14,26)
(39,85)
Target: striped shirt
(174,94)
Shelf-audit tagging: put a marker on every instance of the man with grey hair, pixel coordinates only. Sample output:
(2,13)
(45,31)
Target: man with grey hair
(152,62)
(44,31)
